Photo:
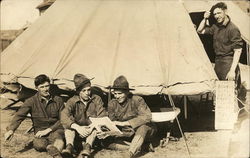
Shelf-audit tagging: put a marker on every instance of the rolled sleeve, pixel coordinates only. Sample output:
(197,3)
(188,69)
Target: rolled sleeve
(67,118)
(144,114)
(235,37)
(20,115)
(209,30)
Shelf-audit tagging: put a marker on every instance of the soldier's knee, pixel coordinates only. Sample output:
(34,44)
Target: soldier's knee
(58,134)
(146,131)
(69,132)
(40,144)
(142,128)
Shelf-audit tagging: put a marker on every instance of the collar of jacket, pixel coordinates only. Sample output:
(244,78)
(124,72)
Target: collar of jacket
(78,99)
(40,98)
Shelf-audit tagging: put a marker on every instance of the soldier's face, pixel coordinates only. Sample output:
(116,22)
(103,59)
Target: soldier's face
(120,95)
(85,93)
(43,89)
(219,15)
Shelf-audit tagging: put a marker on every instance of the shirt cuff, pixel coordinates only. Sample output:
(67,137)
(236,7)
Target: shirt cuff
(68,124)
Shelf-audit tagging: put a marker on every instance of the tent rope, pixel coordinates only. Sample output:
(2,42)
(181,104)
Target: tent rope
(177,120)
(242,104)
(15,76)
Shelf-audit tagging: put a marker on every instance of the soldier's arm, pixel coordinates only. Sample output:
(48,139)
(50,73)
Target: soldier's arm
(144,114)
(201,27)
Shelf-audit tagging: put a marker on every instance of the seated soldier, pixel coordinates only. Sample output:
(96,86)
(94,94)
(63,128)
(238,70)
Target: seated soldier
(132,115)
(75,116)
(45,110)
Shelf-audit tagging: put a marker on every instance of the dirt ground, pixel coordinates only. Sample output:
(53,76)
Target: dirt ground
(201,138)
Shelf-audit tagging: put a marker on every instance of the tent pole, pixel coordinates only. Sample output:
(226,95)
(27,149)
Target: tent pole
(109,95)
(185,106)
(177,120)
(52,81)
(173,106)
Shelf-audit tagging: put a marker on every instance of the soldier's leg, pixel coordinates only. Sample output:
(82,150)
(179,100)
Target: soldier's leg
(40,144)
(91,138)
(56,138)
(88,144)
(240,88)
(142,133)
(56,143)
(69,138)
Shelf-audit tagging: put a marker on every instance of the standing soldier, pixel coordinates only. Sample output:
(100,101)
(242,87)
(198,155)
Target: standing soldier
(227,43)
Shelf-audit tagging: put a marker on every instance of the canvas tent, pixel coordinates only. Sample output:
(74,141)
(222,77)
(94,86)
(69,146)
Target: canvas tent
(153,43)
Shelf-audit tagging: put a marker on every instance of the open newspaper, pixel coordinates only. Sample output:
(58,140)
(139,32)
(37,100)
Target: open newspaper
(104,124)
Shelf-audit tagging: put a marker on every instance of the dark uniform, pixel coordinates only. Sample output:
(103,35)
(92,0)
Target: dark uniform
(44,114)
(77,112)
(138,114)
(226,38)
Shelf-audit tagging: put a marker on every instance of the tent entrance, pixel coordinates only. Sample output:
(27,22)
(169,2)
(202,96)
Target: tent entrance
(207,40)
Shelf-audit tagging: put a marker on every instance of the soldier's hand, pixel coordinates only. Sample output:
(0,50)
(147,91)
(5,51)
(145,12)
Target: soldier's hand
(230,76)
(118,123)
(8,135)
(207,14)
(102,135)
(42,133)
(84,131)
(121,123)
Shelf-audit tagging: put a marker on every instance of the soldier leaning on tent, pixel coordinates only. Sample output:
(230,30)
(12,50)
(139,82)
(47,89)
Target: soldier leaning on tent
(45,112)
(227,43)
(75,117)
(132,115)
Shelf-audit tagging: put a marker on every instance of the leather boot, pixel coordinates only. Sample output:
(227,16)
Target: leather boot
(53,151)
(68,151)
(86,150)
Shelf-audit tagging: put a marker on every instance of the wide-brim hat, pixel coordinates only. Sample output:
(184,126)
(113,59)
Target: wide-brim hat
(121,83)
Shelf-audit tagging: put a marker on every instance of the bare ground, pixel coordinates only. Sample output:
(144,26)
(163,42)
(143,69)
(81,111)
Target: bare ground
(202,140)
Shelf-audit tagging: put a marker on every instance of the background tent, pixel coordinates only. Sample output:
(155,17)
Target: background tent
(153,43)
